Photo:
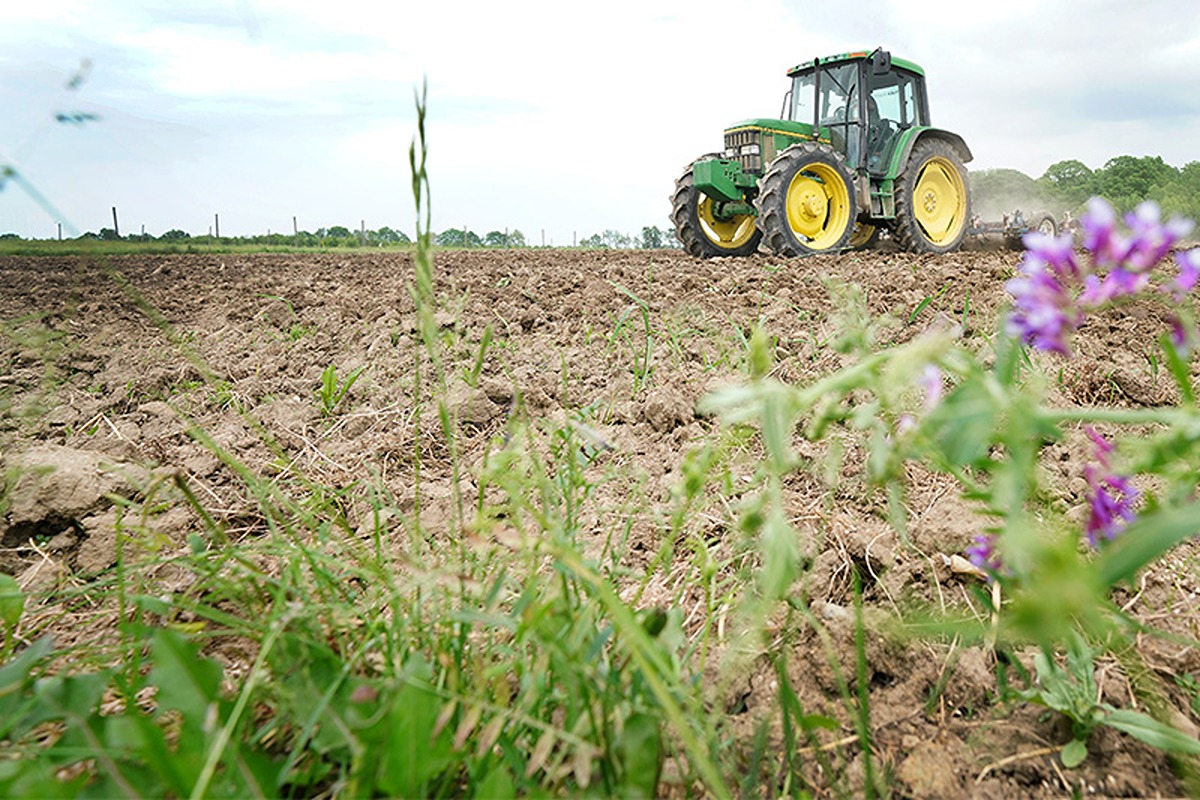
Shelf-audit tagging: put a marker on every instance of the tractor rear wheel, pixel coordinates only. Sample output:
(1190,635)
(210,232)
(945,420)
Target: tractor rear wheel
(703,232)
(933,204)
(806,201)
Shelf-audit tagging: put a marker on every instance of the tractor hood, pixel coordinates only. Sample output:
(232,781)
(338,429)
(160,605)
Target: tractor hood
(781,127)
(754,143)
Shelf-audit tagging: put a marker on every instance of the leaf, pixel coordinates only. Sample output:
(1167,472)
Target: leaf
(1145,540)
(810,722)
(15,679)
(186,682)
(1151,731)
(780,554)
(17,672)
(12,602)
(414,753)
(964,423)
(641,748)
(1074,753)
(541,751)
(497,784)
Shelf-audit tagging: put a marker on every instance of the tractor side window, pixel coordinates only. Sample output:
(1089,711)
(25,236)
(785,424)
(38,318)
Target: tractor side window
(804,98)
(908,103)
(890,110)
(886,104)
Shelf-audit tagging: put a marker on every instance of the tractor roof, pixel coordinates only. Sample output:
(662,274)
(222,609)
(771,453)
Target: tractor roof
(857,55)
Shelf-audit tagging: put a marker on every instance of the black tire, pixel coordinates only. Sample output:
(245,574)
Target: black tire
(1044,223)
(702,235)
(806,201)
(933,204)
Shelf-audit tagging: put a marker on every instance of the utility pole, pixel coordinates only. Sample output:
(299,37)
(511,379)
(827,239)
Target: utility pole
(60,231)
(362,233)
(295,230)
(116,228)
(217,224)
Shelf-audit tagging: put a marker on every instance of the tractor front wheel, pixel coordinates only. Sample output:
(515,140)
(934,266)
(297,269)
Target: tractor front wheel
(864,237)
(933,204)
(704,232)
(806,201)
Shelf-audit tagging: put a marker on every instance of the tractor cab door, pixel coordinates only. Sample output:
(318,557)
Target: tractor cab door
(838,101)
(895,102)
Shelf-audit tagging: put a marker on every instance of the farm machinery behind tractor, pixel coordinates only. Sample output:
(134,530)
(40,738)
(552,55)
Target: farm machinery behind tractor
(853,154)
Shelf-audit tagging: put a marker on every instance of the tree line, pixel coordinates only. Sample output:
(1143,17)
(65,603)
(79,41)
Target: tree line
(1125,181)
(651,237)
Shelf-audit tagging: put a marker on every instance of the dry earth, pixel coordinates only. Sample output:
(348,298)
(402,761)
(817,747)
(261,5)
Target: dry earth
(93,386)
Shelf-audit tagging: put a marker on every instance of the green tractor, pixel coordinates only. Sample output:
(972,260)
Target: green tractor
(854,154)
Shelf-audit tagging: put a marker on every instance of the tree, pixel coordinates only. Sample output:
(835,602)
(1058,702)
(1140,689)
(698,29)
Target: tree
(458,237)
(1128,180)
(1072,180)
(615,239)
(495,239)
(386,235)
(175,235)
(516,239)
(592,241)
(652,238)
(452,237)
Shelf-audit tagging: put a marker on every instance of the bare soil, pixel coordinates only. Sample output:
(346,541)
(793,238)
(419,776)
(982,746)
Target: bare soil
(104,365)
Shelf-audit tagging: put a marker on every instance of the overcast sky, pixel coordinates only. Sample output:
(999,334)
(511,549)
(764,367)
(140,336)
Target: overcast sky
(543,116)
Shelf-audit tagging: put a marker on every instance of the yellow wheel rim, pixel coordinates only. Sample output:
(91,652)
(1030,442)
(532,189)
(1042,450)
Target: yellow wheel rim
(862,234)
(940,200)
(728,234)
(818,206)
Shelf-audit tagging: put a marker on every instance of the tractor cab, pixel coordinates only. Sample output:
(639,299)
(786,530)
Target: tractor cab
(863,104)
(851,154)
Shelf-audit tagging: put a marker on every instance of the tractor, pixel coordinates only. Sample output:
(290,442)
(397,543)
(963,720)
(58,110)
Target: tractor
(853,154)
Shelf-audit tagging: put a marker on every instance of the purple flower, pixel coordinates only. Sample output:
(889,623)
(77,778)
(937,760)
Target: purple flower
(1182,337)
(1189,271)
(1119,282)
(1056,252)
(931,382)
(1052,289)
(1151,240)
(983,554)
(1043,312)
(1100,236)
(1111,496)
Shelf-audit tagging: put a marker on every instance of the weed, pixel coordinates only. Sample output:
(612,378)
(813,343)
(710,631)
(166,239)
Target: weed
(641,356)
(333,390)
(1073,692)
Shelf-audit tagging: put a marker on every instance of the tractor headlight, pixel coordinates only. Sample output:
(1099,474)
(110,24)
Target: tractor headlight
(750,150)
(730,152)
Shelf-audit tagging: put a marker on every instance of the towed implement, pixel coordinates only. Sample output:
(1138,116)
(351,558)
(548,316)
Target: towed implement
(852,155)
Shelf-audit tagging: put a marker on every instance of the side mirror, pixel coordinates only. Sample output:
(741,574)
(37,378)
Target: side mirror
(881,62)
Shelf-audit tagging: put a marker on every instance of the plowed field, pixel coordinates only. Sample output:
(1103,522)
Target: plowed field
(109,367)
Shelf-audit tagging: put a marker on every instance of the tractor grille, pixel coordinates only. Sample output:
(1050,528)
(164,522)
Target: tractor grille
(746,147)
